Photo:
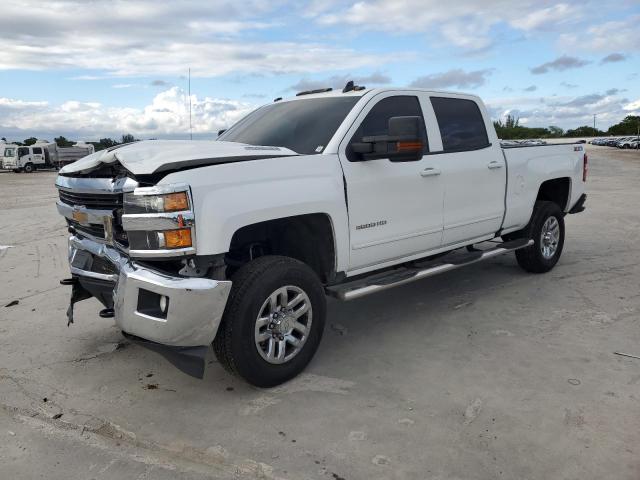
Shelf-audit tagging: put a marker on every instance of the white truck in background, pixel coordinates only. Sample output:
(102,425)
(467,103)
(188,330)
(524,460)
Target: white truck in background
(42,154)
(346,193)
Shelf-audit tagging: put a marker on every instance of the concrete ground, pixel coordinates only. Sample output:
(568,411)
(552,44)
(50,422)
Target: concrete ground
(483,373)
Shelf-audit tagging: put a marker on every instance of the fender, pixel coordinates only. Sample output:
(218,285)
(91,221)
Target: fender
(228,197)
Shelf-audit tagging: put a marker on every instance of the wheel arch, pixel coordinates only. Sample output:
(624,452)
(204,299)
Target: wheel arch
(557,190)
(309,238)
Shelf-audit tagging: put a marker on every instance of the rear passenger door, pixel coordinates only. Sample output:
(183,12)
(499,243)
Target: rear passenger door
(473,171)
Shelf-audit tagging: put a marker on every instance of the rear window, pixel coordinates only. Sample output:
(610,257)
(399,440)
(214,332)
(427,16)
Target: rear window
(37,150)
(461,124)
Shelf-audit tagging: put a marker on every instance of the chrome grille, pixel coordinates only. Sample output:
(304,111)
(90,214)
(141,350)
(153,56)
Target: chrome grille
(91,229)
(94,201)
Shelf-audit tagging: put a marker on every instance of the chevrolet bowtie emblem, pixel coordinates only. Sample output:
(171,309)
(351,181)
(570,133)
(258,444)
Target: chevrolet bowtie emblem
(80,216)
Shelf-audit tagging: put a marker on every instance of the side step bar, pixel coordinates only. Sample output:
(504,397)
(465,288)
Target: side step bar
(383,281)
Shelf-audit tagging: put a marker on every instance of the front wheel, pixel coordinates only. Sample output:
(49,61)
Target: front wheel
(546,229)
(28,168)
(273,321)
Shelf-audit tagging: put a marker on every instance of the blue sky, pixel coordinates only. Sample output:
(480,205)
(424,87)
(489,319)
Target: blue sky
(103,68)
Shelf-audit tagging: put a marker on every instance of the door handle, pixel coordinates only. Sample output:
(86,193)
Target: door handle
(429,172)
(493,165)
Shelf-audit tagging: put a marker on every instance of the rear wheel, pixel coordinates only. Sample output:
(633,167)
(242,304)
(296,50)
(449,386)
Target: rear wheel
(273,321)
(546,229)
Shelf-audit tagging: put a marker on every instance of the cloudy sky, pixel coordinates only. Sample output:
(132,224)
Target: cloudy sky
(89,69)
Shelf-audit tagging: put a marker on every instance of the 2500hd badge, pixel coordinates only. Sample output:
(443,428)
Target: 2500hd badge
(379,223)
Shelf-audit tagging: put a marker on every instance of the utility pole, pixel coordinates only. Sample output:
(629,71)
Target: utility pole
(594,121)
(190,128)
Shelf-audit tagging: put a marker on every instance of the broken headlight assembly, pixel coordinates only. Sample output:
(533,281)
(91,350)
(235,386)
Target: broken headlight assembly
(159,221)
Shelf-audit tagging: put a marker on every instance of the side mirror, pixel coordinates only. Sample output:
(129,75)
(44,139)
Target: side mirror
(403,143)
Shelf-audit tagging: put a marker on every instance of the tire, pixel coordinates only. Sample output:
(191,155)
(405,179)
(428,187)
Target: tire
(236,344)
(545,252)
(28,168)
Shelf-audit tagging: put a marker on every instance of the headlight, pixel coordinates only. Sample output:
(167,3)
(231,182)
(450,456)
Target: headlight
(159,221)
(141,203)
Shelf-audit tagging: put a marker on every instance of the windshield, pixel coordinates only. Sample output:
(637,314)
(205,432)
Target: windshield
(9,152)
(304,126)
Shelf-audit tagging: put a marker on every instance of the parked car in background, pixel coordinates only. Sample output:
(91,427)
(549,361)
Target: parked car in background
(628,142)
(634,144)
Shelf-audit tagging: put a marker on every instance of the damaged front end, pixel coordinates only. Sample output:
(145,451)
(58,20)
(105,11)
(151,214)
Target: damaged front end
(126,247)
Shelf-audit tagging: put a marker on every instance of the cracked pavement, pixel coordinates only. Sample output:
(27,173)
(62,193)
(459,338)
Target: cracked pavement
(480,373)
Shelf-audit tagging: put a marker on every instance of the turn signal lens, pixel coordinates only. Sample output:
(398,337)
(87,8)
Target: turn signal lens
(177,238)
(409,146)
(175,202)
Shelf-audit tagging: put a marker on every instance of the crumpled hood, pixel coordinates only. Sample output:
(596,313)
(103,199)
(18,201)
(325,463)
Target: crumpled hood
(154,156)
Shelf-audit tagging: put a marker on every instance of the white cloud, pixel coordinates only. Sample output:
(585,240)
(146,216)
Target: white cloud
(633,107)
(145,37)
(464,23)
(564,111)
(545,18)
(560,64)
(339,81)
(166,115)
(621,36)
(10,103)
(453,78)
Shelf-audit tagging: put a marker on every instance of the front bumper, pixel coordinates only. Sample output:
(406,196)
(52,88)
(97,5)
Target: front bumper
(194,306)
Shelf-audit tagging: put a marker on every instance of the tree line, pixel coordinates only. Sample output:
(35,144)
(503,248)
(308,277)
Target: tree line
(99,145)
(510,129)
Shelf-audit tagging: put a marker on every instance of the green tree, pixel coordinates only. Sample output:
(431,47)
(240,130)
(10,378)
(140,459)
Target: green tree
(584,131)
(128,138)
(104,143)
(511,121)
(556,131)
(30,141)
(629,126)
(511,129)
(63,142)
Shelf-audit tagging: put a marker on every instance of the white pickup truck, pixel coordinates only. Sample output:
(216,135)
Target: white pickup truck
(236,241)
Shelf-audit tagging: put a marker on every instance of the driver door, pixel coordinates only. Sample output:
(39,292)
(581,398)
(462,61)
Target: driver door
(395,208)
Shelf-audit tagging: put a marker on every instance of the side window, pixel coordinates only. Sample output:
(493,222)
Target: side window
(377,120)
(37,150)
(23,151)
(461,124)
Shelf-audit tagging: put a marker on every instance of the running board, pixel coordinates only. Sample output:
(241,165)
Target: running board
(399,276)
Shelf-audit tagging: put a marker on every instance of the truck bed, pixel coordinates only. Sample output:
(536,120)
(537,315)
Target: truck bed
(529,166)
